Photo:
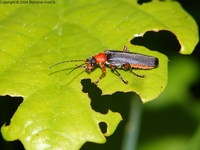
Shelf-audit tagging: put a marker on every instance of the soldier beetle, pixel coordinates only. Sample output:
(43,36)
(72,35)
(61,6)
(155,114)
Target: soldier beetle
(116,59)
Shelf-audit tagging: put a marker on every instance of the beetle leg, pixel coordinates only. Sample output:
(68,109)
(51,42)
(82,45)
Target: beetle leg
(125,49)
(103,68)
(80,66)
(77,66)
(140,76)
(119,75)
(127,66)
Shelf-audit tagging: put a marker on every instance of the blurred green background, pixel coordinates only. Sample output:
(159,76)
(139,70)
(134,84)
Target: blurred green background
(171,122)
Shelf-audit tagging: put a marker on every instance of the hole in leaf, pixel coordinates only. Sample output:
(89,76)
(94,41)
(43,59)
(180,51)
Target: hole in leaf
(14,145)
(143,1)
(162,41)
(116,102)
(7,108)
(90,88)
(103,127)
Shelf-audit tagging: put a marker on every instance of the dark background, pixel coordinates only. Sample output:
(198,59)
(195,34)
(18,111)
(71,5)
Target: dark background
(169,121)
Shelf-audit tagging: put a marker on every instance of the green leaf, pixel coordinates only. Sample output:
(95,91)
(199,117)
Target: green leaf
(55,113)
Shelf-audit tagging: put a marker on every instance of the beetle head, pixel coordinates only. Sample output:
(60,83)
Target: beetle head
(90,63)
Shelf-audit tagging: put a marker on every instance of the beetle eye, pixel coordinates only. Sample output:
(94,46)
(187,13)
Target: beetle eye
(92,61)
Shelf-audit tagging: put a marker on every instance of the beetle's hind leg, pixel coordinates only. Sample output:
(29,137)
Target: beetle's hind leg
(128,66)
(140,76)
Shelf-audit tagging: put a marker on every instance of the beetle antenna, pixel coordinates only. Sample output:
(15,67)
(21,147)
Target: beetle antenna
(65,62)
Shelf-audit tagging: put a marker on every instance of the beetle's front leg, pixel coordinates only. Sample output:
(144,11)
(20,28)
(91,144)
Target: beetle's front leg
(103,68)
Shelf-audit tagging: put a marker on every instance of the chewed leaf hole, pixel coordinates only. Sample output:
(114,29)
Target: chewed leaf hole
(162,41)
(103,127)
(15,145)
(143,1)
(102,103)
(8,107)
